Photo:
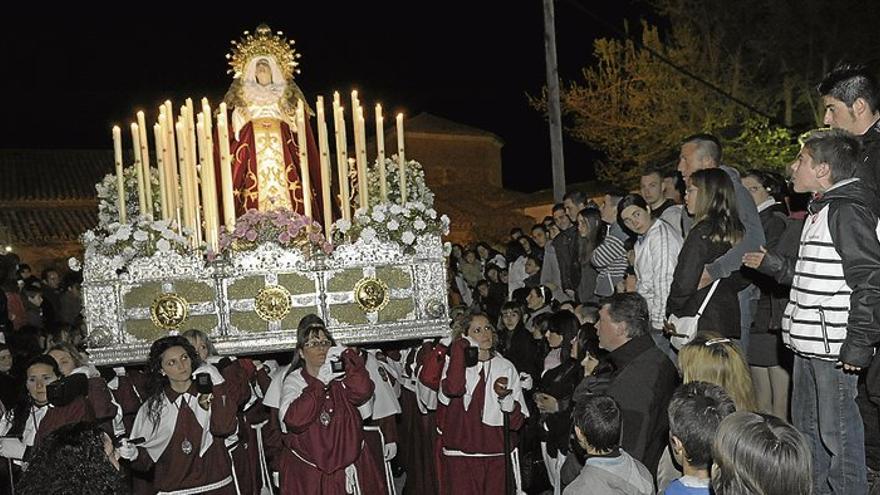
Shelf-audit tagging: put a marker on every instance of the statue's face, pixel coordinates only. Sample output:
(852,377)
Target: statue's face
(263,73)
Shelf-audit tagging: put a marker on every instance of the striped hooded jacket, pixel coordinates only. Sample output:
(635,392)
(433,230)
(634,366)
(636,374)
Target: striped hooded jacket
(833,311)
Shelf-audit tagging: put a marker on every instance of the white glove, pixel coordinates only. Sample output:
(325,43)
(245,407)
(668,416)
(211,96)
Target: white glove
(271,365)
(508,404)
(127,450)
(526,381)
(216,377)
(390,451)
(326,374)
(12,448)
(87,369)
(119,370)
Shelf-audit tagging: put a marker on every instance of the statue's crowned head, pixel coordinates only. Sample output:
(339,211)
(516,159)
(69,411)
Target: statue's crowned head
(264,57)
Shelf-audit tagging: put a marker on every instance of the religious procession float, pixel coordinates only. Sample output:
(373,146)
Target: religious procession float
(240,219)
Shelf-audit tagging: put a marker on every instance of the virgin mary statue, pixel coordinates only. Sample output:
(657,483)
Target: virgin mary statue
(265,154)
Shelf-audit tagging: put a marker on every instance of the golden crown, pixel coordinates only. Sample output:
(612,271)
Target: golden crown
(263,43)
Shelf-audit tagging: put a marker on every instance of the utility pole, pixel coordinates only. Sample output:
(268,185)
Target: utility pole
(553,107)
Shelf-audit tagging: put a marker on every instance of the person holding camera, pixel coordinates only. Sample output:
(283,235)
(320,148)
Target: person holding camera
(179,431)
(71,362)
(478,389)
(240,376)
(45,408)
(318,408)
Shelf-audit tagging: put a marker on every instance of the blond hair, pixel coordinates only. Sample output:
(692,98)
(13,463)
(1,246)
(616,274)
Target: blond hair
(715,359)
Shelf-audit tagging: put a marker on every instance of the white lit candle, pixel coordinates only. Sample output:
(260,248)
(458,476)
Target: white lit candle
(380,153)
(205,176)
(361,158)
(225,169)
(302,144)
(145,163)
(192,170)
(187,207)
(136,149)
(120,178)
(324,150)
(160,164)
(401,158)
(342,161)
(171,175)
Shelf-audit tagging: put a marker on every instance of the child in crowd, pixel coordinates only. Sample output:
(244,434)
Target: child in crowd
(756,453)
(608,469)
(696,410)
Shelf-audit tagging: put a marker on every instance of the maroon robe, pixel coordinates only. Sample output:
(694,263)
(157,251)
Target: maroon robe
(463,430)
(317,455)
(176,470)
(56,417)
(244,170)
(245,454)
(128,401)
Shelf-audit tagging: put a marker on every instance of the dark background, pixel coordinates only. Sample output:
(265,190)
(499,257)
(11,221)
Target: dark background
(70,76)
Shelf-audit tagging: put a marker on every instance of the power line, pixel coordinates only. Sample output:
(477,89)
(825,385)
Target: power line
(676,67)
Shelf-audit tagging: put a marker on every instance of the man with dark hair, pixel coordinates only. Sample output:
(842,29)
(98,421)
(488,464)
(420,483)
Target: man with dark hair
(608,468)
(834,306)
(700,152)
(574,201)
(850,96)
(641,378)
(695,411)
(651,188)
(566,246)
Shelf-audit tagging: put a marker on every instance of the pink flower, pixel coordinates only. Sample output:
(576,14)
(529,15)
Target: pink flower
(327,248)
(284,238)
(251,235)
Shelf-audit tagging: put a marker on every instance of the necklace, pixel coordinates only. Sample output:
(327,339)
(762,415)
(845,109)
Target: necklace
(185,446)
(326,414)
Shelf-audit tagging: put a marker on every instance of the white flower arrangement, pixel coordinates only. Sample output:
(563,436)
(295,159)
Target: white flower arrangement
(123,242)
(387,222)
(417,190)
(108,208)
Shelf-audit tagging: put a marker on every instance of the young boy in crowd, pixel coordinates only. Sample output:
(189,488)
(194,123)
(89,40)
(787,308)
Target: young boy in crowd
(608,469)
(695,411)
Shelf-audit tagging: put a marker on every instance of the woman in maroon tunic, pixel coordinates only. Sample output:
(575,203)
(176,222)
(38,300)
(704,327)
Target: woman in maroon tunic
(239,375)
(183,429)
(476,396)
(70,362)
(324,436)
(24,427)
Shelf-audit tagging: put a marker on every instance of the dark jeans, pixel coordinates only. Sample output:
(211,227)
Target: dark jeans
(824,409)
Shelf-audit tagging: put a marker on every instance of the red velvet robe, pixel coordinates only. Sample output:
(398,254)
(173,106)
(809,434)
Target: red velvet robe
(317,455)
(176,470)
(244,170)
(463,430)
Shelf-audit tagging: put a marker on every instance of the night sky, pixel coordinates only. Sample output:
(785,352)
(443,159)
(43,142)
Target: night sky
(70,76)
